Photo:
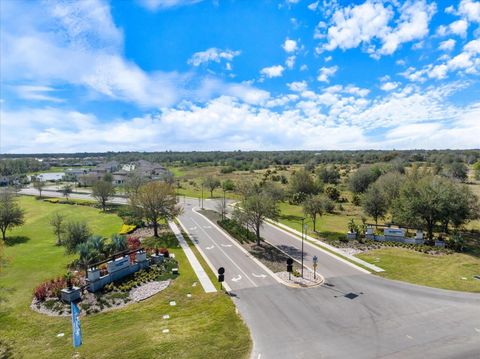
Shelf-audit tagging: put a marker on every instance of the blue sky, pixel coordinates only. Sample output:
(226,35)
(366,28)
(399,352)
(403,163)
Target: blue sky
(154,75)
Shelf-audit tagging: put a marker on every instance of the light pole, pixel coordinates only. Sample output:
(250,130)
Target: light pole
(202,195)
(303,227)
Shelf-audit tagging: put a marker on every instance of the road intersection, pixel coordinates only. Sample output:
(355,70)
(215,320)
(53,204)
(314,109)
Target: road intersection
(353,315)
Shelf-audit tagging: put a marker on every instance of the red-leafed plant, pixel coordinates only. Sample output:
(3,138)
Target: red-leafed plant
(133,243)
(41,292)
(165,253)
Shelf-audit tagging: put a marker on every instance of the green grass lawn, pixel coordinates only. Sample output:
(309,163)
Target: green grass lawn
(329,226)
(446,271)
(205,325)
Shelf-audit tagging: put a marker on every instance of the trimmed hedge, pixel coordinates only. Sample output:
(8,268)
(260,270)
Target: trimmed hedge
(237,230)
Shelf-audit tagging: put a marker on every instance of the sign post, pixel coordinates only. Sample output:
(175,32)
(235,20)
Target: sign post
(289,268)
(76,330)
(315,262)
(221,276)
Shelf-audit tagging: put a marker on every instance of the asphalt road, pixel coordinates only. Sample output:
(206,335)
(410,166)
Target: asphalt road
(353,315)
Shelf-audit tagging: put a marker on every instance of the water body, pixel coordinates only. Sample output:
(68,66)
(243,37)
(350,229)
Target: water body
(50,176)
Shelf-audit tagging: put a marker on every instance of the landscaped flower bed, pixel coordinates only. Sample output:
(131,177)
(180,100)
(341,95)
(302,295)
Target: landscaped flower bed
(127,228)
(115,295)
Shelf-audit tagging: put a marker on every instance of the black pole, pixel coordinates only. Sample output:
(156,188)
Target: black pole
(303,219)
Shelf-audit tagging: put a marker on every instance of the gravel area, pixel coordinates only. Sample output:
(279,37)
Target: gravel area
(147,290)
(306,281)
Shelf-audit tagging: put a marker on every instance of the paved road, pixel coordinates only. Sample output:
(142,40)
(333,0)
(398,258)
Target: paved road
(240,270)
(354,315)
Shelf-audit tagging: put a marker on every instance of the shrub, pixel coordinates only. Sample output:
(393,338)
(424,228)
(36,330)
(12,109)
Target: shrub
(41,292)
(133,243)
(165,252)
(332,192)
(127,228)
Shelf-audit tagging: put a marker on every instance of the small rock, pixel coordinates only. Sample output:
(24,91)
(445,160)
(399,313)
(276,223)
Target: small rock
(165,331)
(189,295)
(464,278)
(166,316)
(173,303)
(194,284)
(59,335)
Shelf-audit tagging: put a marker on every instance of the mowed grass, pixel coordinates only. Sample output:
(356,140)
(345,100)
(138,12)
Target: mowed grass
(204,325)
(454,271)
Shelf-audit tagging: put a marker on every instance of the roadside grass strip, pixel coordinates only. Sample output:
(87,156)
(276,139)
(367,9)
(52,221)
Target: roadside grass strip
(199,271)
(354,262)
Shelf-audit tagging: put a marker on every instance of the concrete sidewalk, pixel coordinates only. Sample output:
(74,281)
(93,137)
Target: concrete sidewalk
(199,271)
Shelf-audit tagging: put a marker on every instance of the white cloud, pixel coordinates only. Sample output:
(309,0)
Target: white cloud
(389,86)
(298,86)
(340,118)
(154,5)
(78,44)
(273,71)
(37,93)
(326,72)
(212,55)
(369,23)
(470,10)
(289,45)
(290,61)
(459,27)
(447,45)
(313,6)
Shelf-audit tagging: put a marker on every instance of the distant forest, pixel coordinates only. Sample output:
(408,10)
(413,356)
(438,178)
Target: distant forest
(12,164)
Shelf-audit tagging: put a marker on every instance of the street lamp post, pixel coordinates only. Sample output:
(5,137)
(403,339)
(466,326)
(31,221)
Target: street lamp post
(303,226)
(202,196)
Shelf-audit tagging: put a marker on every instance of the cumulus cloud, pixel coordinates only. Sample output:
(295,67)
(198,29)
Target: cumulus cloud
(389,86)
(272,71)
(289,45)
(290,61)
(447,45)
(325,73)
(298,86)
(336,117)
(374,22)
(212,55)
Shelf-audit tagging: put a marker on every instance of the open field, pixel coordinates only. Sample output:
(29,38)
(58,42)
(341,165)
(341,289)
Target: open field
(205,325)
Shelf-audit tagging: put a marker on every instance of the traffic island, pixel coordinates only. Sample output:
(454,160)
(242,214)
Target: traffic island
(296,280)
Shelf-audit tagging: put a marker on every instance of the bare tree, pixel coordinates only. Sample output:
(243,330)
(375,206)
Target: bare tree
(58,225)
(67,190)
(39,185)
(156,201)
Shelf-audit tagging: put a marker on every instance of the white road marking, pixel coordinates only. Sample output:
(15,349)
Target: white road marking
(409,337)
(210,247)
(207,227)
(259,275)
(192,228)
(477,330)
(226,245)
(226,255)
(236,279)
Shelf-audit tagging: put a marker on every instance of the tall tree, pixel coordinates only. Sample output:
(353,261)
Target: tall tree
(67,190)
(57,221)
(11,215)
(374,202)
(431,200)
(76,232)
(133,182)
(156,201)
(211,183)
(313,207)
(302,182)
(39,185)
(254,209)
(102,191)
